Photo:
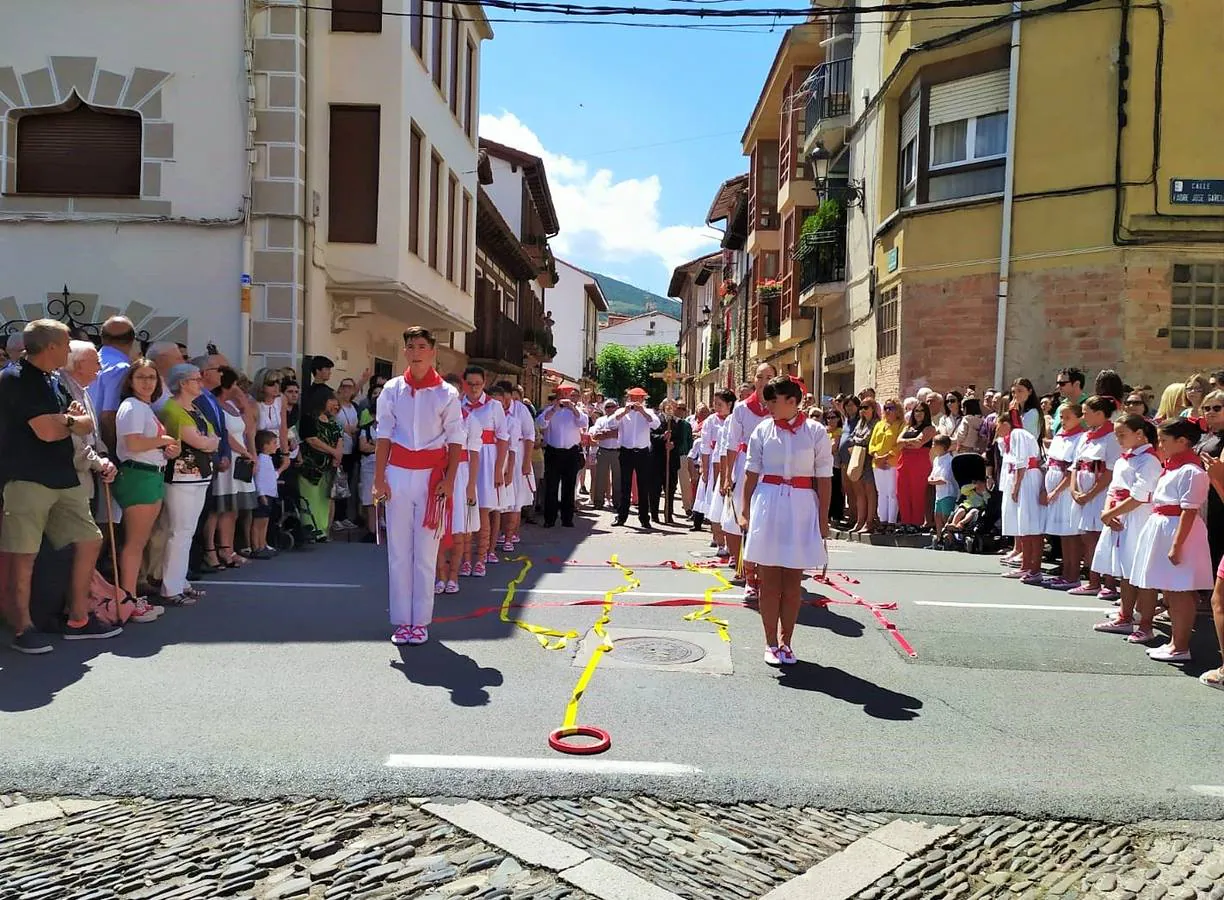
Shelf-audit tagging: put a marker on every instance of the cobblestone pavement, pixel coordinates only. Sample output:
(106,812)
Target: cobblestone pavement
(183,849)
(141,849)
(699,851)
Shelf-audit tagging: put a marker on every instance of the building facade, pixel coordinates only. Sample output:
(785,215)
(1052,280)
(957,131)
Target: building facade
(639,331)
(123,165)
(575,302)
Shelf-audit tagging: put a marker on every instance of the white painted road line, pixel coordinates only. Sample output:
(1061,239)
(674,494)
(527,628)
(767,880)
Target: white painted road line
(289,584)
(949,603)
(539,848)
(1208,790)
(539,764)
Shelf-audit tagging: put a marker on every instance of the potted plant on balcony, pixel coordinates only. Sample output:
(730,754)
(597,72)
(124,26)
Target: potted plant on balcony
(814,245)
(728,289)
(769,289)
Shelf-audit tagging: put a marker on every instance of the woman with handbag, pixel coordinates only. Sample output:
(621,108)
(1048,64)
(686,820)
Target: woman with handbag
(850,486)
(187,478)
(234,489)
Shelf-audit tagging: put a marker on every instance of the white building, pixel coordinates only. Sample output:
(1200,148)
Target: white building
(638,331)
(154,153)
(575,303)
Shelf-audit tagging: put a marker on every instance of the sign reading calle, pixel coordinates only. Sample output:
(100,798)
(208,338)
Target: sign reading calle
(1209,191)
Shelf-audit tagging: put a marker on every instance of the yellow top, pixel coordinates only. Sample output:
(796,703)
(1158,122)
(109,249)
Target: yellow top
(883,446)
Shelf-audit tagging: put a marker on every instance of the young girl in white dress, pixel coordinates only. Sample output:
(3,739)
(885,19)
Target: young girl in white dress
(1060,507)
(491,416)
(716,443)
(787,487)
(465,515)
(1094,463)
(1023,488)
(1126,512)
(1173,554)
(501,521)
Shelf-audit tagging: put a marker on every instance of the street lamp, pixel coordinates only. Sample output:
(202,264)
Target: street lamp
(821,159)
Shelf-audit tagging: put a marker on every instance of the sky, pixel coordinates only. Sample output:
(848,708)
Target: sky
(637,127)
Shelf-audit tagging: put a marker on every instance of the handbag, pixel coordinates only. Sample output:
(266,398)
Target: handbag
(858,463)
(244,470)
(340,488)
(191,464)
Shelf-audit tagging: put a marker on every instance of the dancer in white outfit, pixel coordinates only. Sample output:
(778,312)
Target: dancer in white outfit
(711,470)
(746,416)
(1174,556)
(1126,512)
(787,487)
(1023,512)
(1060,506)
(1094,463)
(465,513)
(420,436)
(524,478)
(494,438)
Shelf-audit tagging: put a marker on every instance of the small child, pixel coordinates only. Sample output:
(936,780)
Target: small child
(944,483)
(266,490)
(973,500)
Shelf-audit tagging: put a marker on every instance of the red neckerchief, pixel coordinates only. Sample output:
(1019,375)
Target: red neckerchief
(1007,442)
(1185,458)
(1078,429)
(1097,433)
(431,379)
(791,425)
(754,403)
(1147,449)
(484,398)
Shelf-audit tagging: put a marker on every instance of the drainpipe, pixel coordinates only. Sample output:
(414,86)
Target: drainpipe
(1009,194)
(248,255)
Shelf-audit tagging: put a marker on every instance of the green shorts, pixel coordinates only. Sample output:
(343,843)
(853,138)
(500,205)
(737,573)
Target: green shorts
(945,506)
(32,510)
(138,486)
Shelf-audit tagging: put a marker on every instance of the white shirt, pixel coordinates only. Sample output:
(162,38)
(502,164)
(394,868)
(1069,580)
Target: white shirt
(426,419)
(1137,472)
(607,423)
(490,415)
(473,439)
(941,470)
(635,427)
(514,457)
(710,433)
(347,416)
(562,427)
(137,417)
(525,422)
(265,476)
(1186,487)
(775,451)
(743,423)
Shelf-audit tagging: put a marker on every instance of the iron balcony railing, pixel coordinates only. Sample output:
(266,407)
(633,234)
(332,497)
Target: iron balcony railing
(825,261)
(830,93)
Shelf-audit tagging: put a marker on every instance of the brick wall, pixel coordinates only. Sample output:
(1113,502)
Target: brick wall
(947,333)
(1150,359)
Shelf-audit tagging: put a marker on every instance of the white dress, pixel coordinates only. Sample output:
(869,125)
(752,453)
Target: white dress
(524,485)
(1060,459)
(465,519)
(709,440)
(784,522)
(507,496)
(740,426)
(230,494)
(1134,476)
(718,502)
(491,418)
(1186,488)
(1095,454)
(1022,459)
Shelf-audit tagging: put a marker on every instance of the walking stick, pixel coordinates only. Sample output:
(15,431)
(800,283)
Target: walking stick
(667,506)
(110,528)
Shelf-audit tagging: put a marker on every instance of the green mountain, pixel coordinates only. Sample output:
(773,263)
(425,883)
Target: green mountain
(627,300)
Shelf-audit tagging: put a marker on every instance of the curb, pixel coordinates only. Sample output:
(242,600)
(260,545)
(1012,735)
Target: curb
(912,541)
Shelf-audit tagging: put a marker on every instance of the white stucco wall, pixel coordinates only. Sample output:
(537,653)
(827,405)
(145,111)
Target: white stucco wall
(568,303)
(176,269)
(506,192)
(636,332)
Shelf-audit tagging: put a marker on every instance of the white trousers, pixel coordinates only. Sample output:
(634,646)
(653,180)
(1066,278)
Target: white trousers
(182,505)
(886,492)
(412,550)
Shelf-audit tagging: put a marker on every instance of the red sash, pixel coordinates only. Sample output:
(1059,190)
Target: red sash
(488,436)
(1168,510)
(438,515)
(799,481)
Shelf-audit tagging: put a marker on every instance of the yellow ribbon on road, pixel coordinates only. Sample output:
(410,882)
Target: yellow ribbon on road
(550,639)
(605,643)
(706,613)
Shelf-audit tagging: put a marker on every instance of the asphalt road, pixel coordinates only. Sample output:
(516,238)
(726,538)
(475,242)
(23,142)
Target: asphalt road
(282,682)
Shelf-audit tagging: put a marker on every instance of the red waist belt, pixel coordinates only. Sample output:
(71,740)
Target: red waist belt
(1033,463)
(799,481)
(1119,495)
(438,515)
(1060,464)
(742,448)
(1090,465)
(488,436)
(1168,510)
(463,456)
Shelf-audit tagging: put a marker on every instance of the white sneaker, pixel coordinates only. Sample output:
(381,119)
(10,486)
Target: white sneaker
(439,587)
(418,634)
(771,657)
(786,656)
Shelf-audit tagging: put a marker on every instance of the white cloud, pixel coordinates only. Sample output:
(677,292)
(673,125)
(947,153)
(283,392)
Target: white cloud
(603,219)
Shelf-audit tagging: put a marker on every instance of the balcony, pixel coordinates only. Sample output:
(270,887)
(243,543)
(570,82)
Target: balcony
(498,339)
(825,261)
(828,106)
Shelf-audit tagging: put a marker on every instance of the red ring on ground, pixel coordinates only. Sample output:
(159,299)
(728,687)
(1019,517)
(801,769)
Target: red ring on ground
(556,740)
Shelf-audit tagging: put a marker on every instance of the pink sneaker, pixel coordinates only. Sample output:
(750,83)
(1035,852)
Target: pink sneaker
(771,657)
(1082,591)
(786,656)
(465,569)
(452,587)
(401,634)
(439,587)
(508,547)
(143,612)
(1107,594)
(1139,636)
(515,539)
(1116,625)
(480,571)
(418,634)
(501,539)
(492,557)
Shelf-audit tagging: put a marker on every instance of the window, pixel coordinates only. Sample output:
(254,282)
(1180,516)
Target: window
(907,168)
(1197,313)
(452,197)
(436,26)
(416,26)
(469,104)
(467,227)
(886,325)
(456,31)
(83,152)
(510,305)
(359,16)
(415,145)
(435,208)
(352,190)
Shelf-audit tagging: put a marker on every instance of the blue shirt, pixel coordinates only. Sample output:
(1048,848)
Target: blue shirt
(207,404)
(104,392)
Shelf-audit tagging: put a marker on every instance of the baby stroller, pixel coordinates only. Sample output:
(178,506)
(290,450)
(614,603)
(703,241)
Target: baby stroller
(292,525)
(982,534)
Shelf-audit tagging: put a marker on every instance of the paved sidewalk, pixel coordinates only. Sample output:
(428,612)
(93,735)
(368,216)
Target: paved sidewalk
(139,849)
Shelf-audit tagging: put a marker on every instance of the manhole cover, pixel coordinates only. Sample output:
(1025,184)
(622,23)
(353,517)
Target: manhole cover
(657,651)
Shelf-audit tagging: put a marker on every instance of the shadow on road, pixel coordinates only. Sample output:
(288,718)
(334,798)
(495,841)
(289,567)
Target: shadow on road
(437,665)
(877,702)
(825,617)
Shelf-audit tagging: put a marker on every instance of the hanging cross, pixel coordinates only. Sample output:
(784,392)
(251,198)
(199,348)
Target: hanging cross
(669,375)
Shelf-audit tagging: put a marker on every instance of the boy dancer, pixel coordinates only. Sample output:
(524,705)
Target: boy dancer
(420,435)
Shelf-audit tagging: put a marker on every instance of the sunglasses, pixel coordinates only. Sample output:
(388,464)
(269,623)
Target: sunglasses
(1062,383)
(1135,402)
(1213,409)
(888,407)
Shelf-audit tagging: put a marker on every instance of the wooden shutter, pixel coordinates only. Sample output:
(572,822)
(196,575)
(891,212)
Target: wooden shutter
(456,31)
(435,208)
(352,192)
(909,123)
(979,95)
(417,27)
(436,59)
(451,202)
(81,153)
(361,16)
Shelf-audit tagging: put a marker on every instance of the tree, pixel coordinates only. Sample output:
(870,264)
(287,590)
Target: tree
(614,369)
(648,360)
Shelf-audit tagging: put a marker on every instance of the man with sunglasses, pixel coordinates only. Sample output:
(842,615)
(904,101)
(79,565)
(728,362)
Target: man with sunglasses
(1071,388)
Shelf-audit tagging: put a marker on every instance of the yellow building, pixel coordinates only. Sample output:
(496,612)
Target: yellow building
(1060,170)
